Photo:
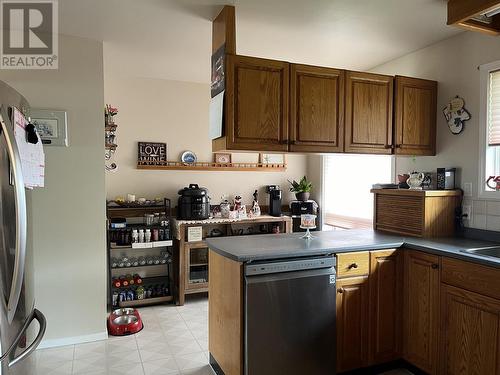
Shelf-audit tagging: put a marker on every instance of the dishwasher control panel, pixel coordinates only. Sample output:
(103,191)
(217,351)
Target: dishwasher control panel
(289,265)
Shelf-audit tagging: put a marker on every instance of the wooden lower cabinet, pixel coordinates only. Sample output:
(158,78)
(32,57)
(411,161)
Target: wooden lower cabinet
(421,310)
(386,276)
(470,333)
(352,323)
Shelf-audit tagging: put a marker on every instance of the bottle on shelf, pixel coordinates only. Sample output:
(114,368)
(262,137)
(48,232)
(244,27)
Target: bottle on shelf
(137,279)
(116,282)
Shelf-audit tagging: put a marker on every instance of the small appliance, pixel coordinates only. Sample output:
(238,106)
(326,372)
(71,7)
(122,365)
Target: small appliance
(446,178)
(194,203)
(275,197)
(298,208)
(125,321)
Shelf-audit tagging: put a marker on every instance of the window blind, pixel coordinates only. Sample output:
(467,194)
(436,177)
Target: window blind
(494,109)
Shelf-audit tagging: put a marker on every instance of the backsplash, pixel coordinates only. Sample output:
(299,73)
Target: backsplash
(485,214)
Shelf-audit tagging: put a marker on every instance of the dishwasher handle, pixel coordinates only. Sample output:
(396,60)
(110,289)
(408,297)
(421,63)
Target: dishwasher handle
(272,277)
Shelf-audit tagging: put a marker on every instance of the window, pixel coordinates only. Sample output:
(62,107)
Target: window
(490,131)
(347,181)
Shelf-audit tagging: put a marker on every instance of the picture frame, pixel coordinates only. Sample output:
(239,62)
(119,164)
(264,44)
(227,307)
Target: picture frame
(272,159)
(151,153)
(222,158)
(51,125)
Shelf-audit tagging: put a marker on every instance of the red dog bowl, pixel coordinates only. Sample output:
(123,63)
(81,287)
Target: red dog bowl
(124,321)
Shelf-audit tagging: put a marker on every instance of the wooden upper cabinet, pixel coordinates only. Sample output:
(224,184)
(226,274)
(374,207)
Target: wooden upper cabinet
(257,96)
(421,310)
(368,113)
(471,333)
(415,122)
(316,109)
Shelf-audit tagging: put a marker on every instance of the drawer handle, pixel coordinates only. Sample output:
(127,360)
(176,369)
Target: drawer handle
(435,266)
(340,290)
(351,266)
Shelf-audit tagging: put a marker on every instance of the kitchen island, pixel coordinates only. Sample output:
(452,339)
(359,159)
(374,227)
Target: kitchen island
(397,298)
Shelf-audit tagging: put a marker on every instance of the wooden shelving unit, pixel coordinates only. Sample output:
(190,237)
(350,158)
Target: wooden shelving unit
(154,276)
(211,166)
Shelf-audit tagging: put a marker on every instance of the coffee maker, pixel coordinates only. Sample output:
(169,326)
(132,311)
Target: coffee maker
(274,200)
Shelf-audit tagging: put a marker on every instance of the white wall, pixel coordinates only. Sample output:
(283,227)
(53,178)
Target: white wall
(453,63)
(176,113)
(67,217)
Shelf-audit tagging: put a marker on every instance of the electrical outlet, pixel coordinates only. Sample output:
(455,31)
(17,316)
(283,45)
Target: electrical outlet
(467,212)
(467,189)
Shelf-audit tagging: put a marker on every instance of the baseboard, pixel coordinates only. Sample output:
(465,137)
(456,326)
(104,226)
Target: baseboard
(52,343)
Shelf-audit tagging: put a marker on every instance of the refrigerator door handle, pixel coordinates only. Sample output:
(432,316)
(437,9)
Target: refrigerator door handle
(20,204)
(37,314)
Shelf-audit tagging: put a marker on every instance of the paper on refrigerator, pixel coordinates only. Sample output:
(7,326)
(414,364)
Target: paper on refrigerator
(32,155)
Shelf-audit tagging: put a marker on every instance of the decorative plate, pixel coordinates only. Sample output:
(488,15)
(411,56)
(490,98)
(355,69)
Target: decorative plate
(188,157)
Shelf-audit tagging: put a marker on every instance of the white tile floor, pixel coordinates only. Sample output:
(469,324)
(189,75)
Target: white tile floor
(174,341)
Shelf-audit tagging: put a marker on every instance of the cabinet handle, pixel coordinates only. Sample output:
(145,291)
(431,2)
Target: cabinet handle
(340,290)
(435,266)
(399,146)
(354,265)
(389,146)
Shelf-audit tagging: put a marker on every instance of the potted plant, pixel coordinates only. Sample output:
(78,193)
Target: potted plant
(302,189)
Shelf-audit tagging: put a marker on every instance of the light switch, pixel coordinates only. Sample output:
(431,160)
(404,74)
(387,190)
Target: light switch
(467,189)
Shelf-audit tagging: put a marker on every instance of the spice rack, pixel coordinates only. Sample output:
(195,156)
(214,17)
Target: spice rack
(150,261)
(211,166)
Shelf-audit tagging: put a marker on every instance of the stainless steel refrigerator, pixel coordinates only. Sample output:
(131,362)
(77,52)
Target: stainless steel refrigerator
(21,325)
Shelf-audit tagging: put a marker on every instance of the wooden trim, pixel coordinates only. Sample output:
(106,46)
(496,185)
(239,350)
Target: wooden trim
(418,193)
(211,166)
(462,10)
(225,318)
(224,30)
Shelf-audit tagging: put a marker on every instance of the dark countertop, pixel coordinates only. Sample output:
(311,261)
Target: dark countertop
(280,246)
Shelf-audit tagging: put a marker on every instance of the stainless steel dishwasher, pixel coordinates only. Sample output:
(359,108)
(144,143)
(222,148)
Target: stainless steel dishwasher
(290,317)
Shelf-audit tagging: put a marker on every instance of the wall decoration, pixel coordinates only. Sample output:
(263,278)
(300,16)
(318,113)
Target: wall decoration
(222,158)
(188,157)
(151,153)
(218,70)
(272,158)
(456,114)
(51,125)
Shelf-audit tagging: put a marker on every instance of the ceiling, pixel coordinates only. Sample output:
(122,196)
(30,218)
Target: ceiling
(171,39)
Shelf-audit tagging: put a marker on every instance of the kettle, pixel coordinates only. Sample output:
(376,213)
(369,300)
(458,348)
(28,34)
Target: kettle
(415,180)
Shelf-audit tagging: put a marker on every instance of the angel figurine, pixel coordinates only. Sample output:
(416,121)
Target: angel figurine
(255,205)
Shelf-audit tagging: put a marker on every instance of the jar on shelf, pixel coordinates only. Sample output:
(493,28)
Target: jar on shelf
(149,219)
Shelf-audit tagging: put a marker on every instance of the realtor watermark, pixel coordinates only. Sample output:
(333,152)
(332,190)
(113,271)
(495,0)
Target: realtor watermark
(29,34)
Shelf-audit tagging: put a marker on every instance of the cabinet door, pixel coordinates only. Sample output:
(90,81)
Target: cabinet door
(352,323)
(471,333)
(368,113)
(421,310)
(316,109)
(415,116)
(386,271)
(256,104)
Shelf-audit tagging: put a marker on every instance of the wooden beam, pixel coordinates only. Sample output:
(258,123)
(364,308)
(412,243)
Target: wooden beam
(224,30)
(462,10)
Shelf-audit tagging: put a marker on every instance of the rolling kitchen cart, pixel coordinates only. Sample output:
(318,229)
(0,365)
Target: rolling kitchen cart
(140,264)
(190,256)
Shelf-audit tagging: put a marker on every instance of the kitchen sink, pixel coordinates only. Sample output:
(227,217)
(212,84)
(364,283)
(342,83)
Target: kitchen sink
(493,252)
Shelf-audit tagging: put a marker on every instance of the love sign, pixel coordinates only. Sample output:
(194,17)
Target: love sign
(152,153)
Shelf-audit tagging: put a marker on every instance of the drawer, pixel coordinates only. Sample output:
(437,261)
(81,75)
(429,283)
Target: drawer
(471,276)
(353,264)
